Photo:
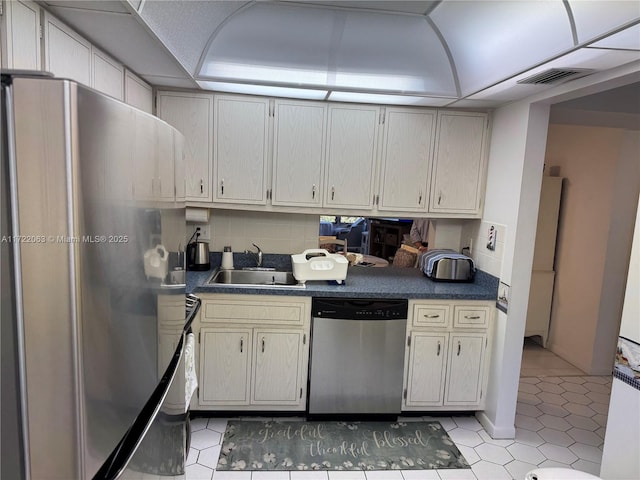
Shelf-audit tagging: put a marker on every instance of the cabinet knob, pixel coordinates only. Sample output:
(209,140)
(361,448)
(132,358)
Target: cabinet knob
(262,344)
(241,344)
(438,354)
(420,199)
(459,347)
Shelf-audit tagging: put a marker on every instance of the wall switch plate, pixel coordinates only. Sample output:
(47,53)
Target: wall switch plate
(205,232)
(491,238)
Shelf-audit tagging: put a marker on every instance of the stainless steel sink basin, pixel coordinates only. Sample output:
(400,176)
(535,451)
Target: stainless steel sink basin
(254,278)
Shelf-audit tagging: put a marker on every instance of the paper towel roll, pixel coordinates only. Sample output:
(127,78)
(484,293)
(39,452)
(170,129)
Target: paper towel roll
(198,215)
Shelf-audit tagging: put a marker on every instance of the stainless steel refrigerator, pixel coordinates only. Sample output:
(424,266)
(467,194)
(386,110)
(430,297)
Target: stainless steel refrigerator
(95,327)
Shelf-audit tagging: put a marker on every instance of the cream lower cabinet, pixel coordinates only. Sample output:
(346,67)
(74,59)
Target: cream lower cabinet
(445,360)
(254,352)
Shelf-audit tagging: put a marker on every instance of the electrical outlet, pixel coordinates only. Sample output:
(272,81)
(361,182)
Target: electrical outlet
(205,232)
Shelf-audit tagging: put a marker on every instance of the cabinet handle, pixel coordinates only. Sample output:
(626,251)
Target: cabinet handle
(420,199)
(432,316)
(472,317)
(222,187)
(439,198)
(241,344)
(438,354)
(262,344)
(458,347)
(333,191)
(201,186)
(313,192)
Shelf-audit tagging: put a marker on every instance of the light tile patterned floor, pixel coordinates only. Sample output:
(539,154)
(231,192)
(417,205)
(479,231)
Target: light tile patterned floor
(560,422)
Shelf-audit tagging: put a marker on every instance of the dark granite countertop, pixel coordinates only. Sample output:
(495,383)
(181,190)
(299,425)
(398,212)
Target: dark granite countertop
(361,282)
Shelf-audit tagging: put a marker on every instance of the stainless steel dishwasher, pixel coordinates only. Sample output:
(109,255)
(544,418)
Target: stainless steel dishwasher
(357,356)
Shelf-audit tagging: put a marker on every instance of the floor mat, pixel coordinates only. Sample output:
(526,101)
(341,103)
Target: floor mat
(272,445)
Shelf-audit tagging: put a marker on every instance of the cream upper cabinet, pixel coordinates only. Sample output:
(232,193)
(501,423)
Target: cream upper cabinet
(107,74)
(298,153)
(66,54)
(21,37)
(406,159)
(459,162)
(154,160)
(192,115)
(351,156)
(240,149)
(137,92)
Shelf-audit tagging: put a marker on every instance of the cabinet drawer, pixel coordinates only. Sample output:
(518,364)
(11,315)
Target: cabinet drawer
(470,317)
(243,312)
(171,310)
(431,316)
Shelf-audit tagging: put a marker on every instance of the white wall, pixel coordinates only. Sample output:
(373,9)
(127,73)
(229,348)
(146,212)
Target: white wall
(602,179)
(513,189)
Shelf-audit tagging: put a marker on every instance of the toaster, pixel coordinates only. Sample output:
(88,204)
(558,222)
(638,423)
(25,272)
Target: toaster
(447,266)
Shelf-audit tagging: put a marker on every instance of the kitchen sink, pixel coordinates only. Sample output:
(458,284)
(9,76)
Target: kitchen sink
(254,278)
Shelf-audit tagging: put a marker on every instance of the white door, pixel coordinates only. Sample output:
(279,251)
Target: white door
(426,369)
(66,53)
(406,159)
(298,153)
(465,368)
(351,155)
(278,361)
(224,366)
(192,115)
(240,145)
(22,29)
(458,164)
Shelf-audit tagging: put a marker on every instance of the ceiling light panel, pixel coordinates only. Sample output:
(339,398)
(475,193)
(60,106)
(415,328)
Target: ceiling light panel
(264,90)
(398,53)
(490,41)
(383,99)
(593,19)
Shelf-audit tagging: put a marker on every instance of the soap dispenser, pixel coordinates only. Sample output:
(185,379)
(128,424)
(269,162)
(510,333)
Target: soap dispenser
(227,258)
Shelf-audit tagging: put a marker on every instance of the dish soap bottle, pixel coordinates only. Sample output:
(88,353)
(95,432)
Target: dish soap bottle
(227,259)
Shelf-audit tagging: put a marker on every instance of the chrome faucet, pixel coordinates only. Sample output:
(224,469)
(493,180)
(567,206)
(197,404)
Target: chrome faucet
(257,256)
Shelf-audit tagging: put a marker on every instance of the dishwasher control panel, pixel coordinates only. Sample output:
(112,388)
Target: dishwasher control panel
(360,308)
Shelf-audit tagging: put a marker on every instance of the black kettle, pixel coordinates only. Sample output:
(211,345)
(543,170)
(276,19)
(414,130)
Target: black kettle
(198,255)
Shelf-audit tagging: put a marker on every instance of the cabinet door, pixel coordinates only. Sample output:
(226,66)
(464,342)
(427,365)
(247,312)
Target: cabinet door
(107,74)
(22,40)
(240,149)
(465,370)
(351,154)
(165,183)
(406,159)
(192,115)
(298,153)
(137,92)
(224,366)
(66,53)
(426,369)
(278,367)
(458,165)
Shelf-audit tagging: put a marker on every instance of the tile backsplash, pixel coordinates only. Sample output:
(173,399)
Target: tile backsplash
(477,235)
(284,233)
